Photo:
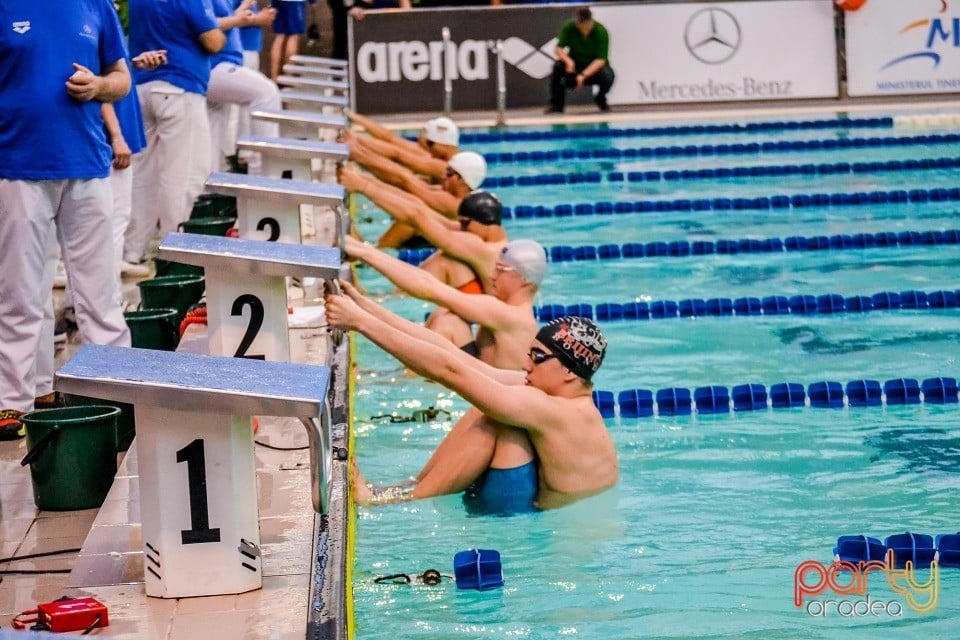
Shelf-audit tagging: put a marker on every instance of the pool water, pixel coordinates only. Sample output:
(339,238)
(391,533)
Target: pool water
(713,513)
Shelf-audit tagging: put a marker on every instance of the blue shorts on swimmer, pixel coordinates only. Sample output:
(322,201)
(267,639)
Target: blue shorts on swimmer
(503,492)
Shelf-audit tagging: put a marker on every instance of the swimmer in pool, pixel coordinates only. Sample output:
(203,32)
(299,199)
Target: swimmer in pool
(462,174)
(550,401)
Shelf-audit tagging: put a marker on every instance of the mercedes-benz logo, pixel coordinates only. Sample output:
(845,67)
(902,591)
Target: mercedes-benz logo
(712,35)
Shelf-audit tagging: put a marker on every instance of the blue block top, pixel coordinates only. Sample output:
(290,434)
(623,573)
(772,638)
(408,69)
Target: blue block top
(294,148)
(256,257)
(315,98)
(302,118)
(192,382)
(275,189)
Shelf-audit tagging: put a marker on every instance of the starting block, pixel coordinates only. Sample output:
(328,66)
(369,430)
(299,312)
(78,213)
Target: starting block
(198,488)
(304,124)
(318,61)
(246,288)
(314,84)
(291,158)
(314,70)
(269,208)
(313,101)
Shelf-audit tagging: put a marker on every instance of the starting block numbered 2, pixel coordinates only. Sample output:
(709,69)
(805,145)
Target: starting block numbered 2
(269,208)
(198,487)
(246,288)
(291,158)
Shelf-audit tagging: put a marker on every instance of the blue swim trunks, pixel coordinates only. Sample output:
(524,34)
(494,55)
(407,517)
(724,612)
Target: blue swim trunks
(291,16)
(503,492)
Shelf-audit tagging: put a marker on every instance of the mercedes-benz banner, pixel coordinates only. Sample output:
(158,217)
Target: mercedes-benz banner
(899,47)
(670,53)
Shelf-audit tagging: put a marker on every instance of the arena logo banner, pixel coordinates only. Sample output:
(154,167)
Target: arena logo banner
(398,57)
(897,47)
(717,52)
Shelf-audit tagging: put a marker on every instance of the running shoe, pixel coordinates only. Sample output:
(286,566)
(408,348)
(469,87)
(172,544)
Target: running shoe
(11,427)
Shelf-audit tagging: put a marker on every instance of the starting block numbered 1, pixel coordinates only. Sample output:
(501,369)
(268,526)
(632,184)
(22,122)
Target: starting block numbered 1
(304,124)
(291,158)
(246,288)
(198,486)
(269,208)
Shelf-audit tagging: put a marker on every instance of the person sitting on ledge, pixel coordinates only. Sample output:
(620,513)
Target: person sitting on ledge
(582,52)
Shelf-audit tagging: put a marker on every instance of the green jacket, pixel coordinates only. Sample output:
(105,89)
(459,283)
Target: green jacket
(585,50)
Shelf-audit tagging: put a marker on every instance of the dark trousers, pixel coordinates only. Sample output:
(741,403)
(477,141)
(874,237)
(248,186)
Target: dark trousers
(560,81)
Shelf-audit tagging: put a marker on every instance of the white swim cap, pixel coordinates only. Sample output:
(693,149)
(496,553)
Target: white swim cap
(528,258)
(471,166)
(442,131)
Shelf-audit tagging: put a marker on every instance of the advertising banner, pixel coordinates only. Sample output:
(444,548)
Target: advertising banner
(899,47)
(727,51)
(671,53)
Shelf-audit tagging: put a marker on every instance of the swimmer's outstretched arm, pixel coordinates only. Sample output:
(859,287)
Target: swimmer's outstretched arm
(520,406)
(383,134)
(483,309)
(419,332)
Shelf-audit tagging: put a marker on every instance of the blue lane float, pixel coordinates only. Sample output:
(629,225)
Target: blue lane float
(673,131)
(761,203)
(693,150)
(722,173)
(752,396)
(773,305)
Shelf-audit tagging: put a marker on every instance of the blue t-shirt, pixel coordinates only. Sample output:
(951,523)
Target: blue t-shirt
(250,37)
(131,118)
(174,25)
(233,50)
(44,133)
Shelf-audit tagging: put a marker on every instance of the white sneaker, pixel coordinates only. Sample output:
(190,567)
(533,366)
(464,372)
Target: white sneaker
(60,276)
(131,270)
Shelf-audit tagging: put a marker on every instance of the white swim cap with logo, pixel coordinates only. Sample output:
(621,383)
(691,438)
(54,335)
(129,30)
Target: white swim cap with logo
(442,131)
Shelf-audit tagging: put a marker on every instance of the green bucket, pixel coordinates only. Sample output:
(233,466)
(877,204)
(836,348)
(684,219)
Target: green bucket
(126,421)
(211,205)
(72,453)
(153,329)
(216,226)
(171,292)
(167,268)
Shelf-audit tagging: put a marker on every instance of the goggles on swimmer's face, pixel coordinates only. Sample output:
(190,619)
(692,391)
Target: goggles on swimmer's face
(450,172)
(503,266)
(538,355)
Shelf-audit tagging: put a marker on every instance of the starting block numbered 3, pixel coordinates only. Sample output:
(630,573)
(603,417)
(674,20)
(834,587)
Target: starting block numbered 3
(246,288)
(198,488)
(269,208)
(291,158)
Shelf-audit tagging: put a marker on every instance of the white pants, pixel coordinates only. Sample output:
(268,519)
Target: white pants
(251,60)
(171,172)
(121,181)
(230,84)
(82,214)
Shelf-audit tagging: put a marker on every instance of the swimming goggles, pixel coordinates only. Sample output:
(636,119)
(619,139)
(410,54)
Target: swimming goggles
(430,577)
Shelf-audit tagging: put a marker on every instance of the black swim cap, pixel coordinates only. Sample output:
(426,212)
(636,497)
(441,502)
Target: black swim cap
(577,343)
(481,206)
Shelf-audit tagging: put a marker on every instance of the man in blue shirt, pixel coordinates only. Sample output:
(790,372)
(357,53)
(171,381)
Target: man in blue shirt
(59,66)
(170,173)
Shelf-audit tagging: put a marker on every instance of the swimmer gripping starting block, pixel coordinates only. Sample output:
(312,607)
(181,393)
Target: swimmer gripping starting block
(313,101)
(291,158)
(198,485)
(304,124)
(314,84)
(314,70)
(269,208)
(246,288)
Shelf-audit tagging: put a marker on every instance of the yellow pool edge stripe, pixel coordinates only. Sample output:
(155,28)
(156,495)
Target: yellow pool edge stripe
(351,508)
